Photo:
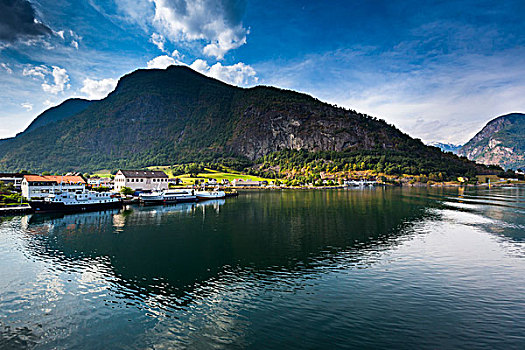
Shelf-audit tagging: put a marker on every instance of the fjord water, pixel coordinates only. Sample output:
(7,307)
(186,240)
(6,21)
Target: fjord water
(372,268)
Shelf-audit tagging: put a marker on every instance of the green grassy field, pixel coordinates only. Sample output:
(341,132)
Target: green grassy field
(207,174)
(219,176)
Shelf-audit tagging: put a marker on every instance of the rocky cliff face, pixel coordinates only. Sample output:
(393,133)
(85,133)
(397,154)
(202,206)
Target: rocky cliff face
(501,142)
(312,128)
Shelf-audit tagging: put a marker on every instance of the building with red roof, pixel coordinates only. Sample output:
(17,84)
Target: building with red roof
(41,186)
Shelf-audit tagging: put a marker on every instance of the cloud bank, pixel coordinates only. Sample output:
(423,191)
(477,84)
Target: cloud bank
(216,24)
(18,21)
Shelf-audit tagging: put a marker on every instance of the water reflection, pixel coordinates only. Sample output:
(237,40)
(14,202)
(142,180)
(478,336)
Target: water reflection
(168,250)
(190,274)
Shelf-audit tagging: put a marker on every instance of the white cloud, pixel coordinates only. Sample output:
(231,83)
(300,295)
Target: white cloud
(69,36)
(216,23)
(162,62)
(176,54)
(28,106)
(238,74)
(159,41)
(8,69)
(60,78)
(36,71)
(60,81)
(98,89)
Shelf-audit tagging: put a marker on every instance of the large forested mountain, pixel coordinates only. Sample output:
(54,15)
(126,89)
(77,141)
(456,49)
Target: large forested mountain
(500,142)
(176,115)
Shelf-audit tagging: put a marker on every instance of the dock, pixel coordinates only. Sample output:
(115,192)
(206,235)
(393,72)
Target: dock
(24,209)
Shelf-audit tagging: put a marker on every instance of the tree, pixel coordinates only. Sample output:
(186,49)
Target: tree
(127,191)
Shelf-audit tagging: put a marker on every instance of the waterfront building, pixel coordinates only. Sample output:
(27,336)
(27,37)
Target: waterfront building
(141,180)
(246,183)
(96,181)
(40,186)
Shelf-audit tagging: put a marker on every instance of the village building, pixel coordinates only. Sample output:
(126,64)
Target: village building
(246,183)
(96,181)
(141,180)
(39,186)
(12,178)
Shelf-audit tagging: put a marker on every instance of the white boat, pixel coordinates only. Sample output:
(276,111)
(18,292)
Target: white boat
(152,198)
(179,196)
(215,194)
(360,183)
(77,201)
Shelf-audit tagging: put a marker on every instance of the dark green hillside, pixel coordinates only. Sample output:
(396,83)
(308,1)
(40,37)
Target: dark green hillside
(177,115)
(65,110)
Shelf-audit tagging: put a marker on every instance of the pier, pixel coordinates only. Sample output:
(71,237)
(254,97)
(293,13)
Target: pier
(24,209)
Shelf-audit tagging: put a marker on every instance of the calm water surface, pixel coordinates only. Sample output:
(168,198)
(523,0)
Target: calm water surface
(379,268)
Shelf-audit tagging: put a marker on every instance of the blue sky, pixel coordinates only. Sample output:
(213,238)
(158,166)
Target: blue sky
(438,70)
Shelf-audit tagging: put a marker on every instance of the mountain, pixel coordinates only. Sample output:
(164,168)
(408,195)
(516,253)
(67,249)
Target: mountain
(446,147)
(65,110)
(176,115)
(500,142)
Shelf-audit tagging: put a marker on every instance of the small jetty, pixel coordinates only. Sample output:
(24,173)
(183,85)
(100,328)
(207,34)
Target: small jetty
(23,209)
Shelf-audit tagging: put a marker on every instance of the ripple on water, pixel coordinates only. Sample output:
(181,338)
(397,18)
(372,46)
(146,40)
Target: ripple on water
(375,269)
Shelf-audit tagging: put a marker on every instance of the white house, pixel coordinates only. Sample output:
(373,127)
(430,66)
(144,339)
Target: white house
(141,180)
(38,187)
(96,181)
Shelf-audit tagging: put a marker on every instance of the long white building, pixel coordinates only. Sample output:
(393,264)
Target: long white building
(141,180)
(39,187)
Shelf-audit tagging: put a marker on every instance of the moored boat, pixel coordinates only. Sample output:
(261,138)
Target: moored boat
(77,201)
(179,196)
(215,194)
(156,197)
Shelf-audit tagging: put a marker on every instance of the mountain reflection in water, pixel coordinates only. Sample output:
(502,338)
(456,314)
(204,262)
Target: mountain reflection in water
(169,249)
(305,266)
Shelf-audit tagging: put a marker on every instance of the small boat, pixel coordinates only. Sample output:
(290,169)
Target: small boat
(77,201)
(215,194)
(179,196)
(359,183)
(156,197)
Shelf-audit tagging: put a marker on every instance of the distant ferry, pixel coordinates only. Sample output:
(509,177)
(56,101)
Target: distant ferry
(179,196)
(168,196)
(77,201)
(156,197)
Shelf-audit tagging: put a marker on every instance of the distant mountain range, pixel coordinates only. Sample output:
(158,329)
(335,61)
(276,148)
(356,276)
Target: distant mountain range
(446,147)
(176,115)
(500,142)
